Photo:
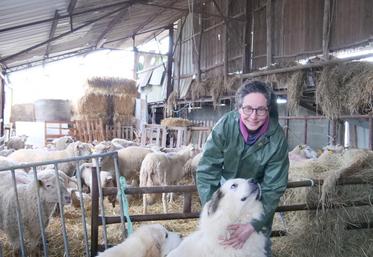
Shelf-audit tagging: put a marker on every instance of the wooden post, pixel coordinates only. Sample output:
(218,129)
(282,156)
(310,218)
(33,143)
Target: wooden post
(170,60)
(326,29)
(269,31)
(94,213)
(199,75)
(136,59)
(246,44)
(179,59)
(225,42)
(370,132)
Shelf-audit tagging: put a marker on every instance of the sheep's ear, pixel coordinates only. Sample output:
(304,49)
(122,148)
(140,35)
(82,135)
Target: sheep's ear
(214,202)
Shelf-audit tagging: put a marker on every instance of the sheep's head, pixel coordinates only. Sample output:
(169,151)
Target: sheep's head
(48,187)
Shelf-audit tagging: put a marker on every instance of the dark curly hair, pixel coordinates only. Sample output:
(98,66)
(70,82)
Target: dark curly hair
(256,86)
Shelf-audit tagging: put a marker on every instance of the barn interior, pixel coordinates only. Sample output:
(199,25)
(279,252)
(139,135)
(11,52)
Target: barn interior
(316,55)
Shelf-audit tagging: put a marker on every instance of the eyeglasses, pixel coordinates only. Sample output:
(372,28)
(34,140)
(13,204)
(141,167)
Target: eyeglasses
(260,111)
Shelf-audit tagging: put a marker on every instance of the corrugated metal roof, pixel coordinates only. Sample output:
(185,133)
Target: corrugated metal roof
(25,26)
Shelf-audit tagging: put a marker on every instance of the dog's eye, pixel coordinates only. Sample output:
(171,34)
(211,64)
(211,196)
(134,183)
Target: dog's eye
(166,236)
(243,199)
(234,186)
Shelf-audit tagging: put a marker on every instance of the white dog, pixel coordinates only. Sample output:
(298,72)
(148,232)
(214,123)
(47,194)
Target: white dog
(237,201)
(152,240)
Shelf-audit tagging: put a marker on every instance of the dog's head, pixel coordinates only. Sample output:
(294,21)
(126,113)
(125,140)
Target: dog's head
(163,240)
(236,198)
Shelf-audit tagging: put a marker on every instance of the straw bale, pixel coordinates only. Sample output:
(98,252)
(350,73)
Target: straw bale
(176,122)
(124,104)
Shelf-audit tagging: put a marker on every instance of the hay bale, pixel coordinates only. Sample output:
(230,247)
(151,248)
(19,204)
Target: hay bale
(176,122)
(295,87)
(22,112)
(92,106)
(345,88)
(112,86)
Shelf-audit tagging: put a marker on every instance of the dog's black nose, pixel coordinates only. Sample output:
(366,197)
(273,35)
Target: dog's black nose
(252,181)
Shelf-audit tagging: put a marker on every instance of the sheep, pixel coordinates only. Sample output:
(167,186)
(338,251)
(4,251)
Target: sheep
(190,166)
(16,142)
(62,142)
(301,153)
(6,152)
(27,195)
(39,155)
(123,143)
(130,159)
(161,169)
(75,199)
(106,179)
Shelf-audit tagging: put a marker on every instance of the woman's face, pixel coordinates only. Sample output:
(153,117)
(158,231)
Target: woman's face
(254,110)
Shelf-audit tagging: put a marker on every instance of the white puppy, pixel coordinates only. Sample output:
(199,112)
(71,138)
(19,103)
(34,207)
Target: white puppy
(237,201)
(151,240)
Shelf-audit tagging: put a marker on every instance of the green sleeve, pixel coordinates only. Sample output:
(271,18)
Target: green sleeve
(273,185)
(210,167)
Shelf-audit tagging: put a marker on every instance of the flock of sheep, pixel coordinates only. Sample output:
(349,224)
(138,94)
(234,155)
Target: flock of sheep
(142,165)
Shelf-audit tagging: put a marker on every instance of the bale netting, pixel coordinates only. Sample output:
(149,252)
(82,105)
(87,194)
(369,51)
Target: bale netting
(345,88)
(176,122)
(326,231)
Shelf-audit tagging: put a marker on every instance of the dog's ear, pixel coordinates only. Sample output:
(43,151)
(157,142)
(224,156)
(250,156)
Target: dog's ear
(214,203)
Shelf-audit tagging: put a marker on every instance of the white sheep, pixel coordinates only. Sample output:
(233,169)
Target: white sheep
(27,195)
(130,159)
(190,166)
(301,153)
(16,142)
(161,169)
(106,179)
(39,155)
(62,142)
(123,143)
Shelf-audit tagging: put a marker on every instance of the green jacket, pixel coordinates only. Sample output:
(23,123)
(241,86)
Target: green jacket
(226,155)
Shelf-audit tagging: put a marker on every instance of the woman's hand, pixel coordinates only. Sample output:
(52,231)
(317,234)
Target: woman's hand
(239,233)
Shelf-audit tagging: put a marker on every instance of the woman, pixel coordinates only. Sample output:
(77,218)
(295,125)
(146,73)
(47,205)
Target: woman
(248,143)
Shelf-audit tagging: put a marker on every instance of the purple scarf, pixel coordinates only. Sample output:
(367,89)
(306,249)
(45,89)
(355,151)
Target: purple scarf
(251,137)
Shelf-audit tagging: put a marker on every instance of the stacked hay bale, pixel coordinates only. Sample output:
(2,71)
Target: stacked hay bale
(324,232)
(110,99)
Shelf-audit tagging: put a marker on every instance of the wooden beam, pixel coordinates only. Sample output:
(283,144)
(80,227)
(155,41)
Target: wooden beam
(195,11)
(246,39)
(326,29)
(52,32)
(170,61)
(306,66)
(269,31)
(225,38)
(70,10)
(116,19)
